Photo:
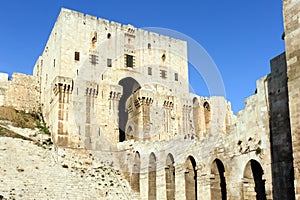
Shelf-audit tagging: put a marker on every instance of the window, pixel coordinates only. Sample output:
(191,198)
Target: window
(129,61)
(149,46)
(109,62)
(108,36)
(94,38)
(54,63)
(176,76)
(77,56)
(93,59)
(163,74)
(163,57)
(149,71)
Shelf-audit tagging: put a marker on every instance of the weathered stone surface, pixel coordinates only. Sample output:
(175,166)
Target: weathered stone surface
(291,13)
(23,93)
(121,93)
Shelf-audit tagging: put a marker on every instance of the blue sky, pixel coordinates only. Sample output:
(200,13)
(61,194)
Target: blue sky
(240,36)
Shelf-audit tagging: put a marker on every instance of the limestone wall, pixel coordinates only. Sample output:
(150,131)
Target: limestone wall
(23,93)
(239,146)
(94,53)
(3,87)
(291,13)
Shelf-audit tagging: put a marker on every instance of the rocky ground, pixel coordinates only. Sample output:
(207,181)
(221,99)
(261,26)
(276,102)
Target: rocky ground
(31,168)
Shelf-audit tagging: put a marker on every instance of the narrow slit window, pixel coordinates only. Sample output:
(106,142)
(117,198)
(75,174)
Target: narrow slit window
(77,56)
(176,76)
(149,71)
(109,62)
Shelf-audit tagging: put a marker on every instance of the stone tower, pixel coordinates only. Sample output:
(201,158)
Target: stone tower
(101,82)
(291,13)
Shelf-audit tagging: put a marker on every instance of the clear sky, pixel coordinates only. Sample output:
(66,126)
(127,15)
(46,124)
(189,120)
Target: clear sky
(241,36)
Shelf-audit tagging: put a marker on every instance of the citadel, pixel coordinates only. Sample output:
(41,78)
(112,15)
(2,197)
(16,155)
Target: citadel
(122,93)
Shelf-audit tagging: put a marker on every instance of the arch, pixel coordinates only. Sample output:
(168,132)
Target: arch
(207,114)
(152,177)
(218,181)
(196,116)
(129,132)
(135,176)
(190,179)
(129,85)
(253,184)
(170,177)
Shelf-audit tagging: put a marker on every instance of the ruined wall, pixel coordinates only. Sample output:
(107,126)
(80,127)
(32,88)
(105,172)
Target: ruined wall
(3,87)
(291,13)
(280,131)
(23,93)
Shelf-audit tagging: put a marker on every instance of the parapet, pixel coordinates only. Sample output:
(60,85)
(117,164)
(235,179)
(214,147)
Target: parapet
(3,77)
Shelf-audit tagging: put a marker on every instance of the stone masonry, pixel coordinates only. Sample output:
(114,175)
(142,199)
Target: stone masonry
(121,94)
(291,13)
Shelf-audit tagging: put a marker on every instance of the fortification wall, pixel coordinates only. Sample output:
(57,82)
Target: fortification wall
(3,87)
(280,130)
(244,143)
(23,93)
(291,13)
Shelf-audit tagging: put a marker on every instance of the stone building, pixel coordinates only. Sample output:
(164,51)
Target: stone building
(123,93)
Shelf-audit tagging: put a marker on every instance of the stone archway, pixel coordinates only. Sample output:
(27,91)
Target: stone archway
(129,85)
(170,177)
(135,175)
(253,184)
(218,181)
(152,177)
(190,179)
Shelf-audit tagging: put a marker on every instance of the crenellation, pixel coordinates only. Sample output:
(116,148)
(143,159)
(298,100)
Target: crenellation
(111,89)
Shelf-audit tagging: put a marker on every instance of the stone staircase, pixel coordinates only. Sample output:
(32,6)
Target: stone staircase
(28,171)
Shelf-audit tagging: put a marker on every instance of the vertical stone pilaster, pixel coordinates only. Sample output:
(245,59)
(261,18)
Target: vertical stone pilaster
(144,185)
(203,183)
(114,100)
(179,182)
(161,184)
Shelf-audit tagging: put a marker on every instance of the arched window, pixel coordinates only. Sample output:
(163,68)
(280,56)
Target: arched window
(207,115)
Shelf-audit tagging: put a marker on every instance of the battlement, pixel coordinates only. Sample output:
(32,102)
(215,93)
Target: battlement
(89,19)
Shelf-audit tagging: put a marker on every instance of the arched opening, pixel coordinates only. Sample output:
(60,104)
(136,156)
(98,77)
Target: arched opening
(207,115)
(218,182)
(170,177)
(130,85)
(129,133)
(135,176)
(196,117)
(152,177)
(253,184)
(190,179)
